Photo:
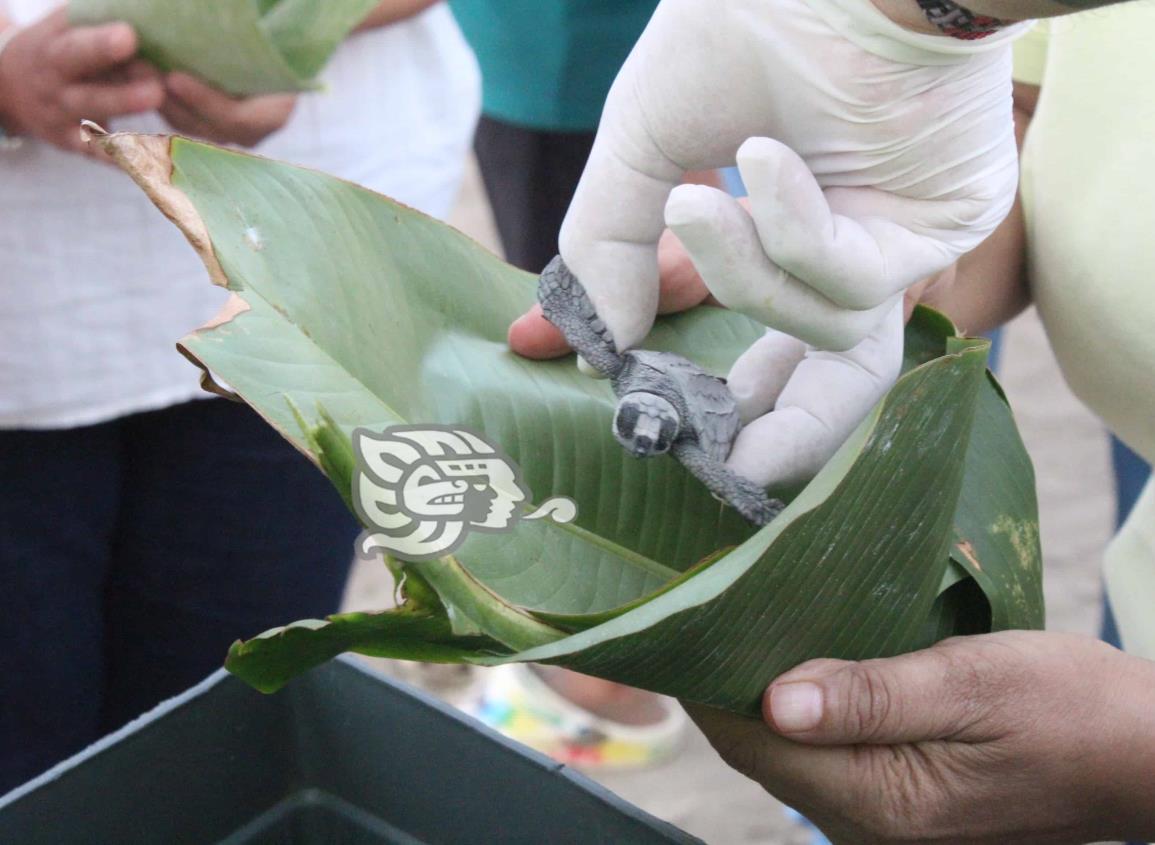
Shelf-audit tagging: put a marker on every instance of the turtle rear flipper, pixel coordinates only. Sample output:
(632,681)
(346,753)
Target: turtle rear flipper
(743,495)
(566,304)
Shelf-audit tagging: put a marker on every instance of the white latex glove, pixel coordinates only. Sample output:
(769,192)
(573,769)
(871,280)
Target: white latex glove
(875,157)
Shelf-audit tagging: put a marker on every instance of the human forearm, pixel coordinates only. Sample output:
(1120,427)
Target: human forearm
(392,11)
(989,286)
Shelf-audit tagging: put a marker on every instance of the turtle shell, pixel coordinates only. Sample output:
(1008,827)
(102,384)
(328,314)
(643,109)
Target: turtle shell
(706,406)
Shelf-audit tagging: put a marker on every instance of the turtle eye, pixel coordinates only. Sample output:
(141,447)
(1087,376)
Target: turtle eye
(666,434)
(626,419)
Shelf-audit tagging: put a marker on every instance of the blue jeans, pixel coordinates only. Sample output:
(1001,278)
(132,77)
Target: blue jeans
(134,552)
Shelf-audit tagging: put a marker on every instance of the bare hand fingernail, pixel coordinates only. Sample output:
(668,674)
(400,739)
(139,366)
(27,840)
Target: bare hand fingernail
(796,708)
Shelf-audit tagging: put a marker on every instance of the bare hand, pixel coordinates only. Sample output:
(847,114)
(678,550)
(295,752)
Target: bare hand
(682,288)
(1011,737)
(53,75)
(197,109)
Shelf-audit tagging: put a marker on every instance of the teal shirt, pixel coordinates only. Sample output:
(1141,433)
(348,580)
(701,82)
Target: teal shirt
(549,64)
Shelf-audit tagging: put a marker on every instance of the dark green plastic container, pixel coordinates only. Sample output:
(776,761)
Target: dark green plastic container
(341,757)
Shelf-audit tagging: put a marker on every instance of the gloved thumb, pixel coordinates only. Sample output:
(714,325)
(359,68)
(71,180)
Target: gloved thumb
(858,262)
(913,698)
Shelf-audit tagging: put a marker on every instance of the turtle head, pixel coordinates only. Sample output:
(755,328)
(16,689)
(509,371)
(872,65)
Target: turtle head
(646,424)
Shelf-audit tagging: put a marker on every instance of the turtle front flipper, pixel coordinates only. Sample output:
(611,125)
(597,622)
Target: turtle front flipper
(743,495)
(565,304)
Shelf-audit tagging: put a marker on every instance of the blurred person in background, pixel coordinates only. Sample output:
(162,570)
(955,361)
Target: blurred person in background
(143,526)
(547,66)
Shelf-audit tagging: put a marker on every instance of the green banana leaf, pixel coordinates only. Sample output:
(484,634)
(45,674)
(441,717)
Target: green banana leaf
(244,47)
(359,312)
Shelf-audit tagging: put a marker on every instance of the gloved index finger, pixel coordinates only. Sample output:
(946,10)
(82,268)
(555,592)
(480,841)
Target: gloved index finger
(826,397)
(611,232)
(87,51)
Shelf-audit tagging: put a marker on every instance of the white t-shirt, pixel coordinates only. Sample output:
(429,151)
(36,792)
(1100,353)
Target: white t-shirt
(96,286)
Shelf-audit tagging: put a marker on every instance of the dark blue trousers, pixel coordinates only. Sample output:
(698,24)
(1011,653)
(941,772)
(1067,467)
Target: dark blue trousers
(1131,476)
(134,552)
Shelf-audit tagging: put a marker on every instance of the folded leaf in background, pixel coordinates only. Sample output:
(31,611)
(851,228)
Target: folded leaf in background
(243,47)
(359,312)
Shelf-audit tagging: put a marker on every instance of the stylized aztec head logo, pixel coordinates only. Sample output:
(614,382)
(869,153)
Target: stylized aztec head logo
(421,490)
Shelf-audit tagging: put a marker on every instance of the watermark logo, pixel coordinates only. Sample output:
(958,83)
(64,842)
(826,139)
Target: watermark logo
(422,490)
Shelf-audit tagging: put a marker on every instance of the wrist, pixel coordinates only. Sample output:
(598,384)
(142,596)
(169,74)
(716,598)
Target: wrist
(1129,796)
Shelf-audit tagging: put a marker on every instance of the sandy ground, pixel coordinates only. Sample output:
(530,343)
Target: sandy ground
(697,791)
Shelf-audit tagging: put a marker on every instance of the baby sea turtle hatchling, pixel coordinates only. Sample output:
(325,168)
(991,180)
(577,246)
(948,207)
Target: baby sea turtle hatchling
(666,403)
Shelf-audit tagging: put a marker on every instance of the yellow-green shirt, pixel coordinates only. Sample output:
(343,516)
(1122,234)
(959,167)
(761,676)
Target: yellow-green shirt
(1089,194)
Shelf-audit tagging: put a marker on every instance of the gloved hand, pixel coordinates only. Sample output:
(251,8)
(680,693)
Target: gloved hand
(875,157)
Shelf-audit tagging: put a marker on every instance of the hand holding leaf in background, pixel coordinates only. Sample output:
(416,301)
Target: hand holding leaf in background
(240,47)
(199,110)
(53,75)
